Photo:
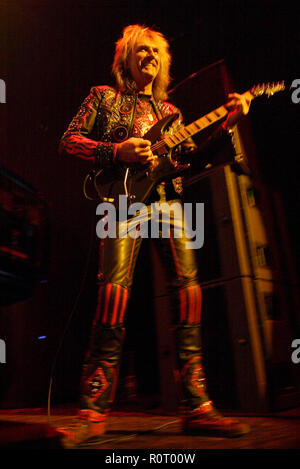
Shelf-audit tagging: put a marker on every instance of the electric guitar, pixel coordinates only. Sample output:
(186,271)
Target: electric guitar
(137,181)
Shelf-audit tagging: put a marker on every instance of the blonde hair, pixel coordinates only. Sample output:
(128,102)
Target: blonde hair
(124,47)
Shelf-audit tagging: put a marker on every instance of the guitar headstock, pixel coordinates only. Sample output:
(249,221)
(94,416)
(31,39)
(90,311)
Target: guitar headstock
(267,88)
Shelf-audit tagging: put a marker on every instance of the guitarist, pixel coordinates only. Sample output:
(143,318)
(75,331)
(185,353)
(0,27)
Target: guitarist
(108,130)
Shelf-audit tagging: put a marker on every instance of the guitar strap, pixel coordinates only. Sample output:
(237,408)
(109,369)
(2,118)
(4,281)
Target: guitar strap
(157,111)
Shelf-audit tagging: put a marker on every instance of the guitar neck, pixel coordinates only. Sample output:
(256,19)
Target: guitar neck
(200,124)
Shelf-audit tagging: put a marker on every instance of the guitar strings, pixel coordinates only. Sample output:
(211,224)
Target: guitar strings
(157,145)
(162,143)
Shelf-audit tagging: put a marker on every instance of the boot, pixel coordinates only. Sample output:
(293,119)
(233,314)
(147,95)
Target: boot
(88,428)
(199,415)
(101,369)
(98,385)
(206,420)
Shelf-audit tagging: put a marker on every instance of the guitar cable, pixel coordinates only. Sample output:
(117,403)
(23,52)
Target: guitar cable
(91,175)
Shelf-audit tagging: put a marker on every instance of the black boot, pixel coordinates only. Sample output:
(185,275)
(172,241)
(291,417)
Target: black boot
(99,381)
(198,413)
(100,372)
(88,428)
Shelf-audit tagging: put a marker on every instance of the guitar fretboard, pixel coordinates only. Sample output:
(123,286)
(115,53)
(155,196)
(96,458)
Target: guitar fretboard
(200,124)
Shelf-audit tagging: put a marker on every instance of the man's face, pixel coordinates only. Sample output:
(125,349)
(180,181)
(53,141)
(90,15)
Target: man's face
(144,62)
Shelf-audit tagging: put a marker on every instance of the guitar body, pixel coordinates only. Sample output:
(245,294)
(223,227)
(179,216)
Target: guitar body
(137,181)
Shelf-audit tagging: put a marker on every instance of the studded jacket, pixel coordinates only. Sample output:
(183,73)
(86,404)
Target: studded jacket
(105,119)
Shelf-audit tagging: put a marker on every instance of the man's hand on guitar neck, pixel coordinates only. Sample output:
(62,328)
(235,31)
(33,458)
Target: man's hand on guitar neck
(135,150)
(240,106)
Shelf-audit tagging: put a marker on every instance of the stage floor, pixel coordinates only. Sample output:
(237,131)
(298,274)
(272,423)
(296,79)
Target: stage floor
(135,430)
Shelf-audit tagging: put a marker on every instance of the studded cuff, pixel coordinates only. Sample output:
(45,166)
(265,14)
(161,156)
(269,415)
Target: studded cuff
(105,154)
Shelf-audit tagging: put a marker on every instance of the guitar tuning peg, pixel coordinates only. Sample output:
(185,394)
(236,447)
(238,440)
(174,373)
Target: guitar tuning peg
(268,89)
(261,89)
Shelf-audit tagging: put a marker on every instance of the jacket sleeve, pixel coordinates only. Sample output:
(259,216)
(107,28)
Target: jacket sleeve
(78,139)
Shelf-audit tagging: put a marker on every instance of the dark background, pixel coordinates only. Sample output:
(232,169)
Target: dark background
(52,52)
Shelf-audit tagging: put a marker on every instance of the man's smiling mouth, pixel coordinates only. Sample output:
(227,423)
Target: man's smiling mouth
(148,64)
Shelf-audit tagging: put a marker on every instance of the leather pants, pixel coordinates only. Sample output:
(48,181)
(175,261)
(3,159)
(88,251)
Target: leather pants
(117,261)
